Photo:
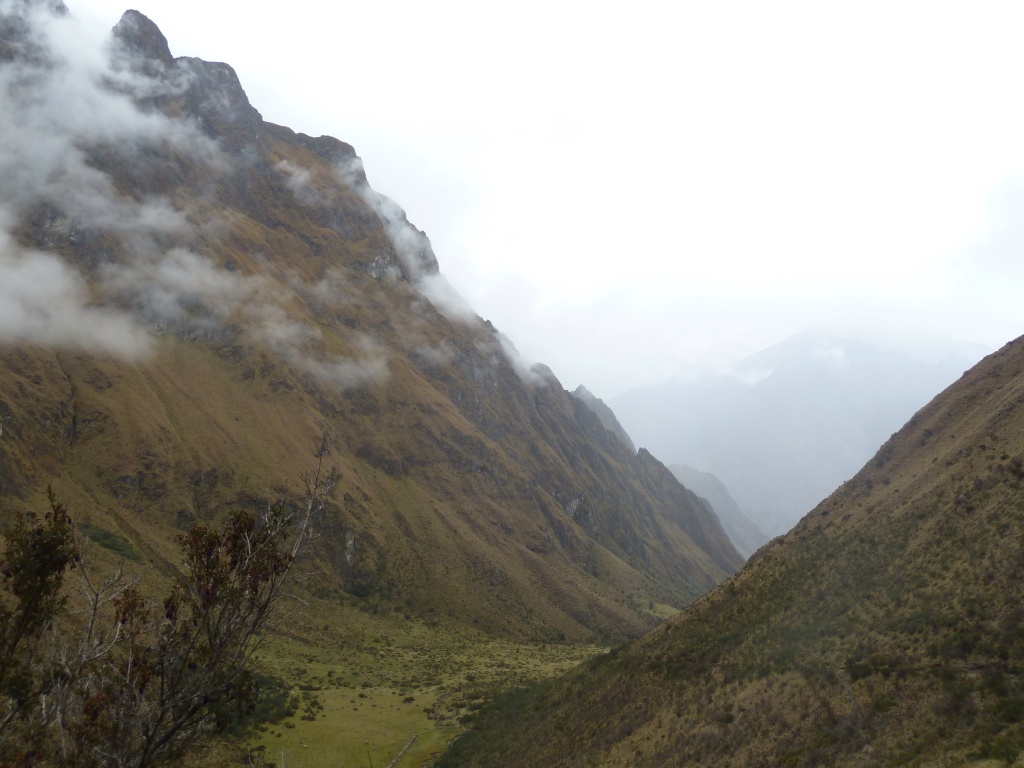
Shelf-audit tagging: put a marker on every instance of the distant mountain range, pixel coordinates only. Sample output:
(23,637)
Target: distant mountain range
(790,423)
(885,629)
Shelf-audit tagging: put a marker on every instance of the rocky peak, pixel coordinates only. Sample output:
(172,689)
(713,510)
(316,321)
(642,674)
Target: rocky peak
(209,90)
(142,38)
(217,98)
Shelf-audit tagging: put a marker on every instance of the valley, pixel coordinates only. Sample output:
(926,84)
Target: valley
(208,307)
(362,697)
(884,629)
(210,322)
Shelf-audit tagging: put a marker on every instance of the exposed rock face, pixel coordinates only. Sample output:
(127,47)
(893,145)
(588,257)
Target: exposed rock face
(209,91)
(249,291)
(604,413)
(142,39)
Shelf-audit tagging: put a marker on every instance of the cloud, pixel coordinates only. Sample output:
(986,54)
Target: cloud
(434,357)
(412,247)
(832,355)
(443,296)
(535,375)
(331,291)
(44,301)
(186,291)
(299,181)
(70,98)
(1001,250)
(747,374)
(59,101)
(182,289)
(370,367)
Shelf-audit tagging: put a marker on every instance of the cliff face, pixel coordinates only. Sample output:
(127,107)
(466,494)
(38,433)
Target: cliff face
(884,629)
(195,295)
(604,414)
(742,532)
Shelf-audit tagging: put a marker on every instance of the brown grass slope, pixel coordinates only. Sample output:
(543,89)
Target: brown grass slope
(885,629)
(464,488)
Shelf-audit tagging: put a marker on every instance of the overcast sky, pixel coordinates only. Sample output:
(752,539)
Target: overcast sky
(629,191)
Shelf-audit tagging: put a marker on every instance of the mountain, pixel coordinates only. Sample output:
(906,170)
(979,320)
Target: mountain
(604,414)
(746,536)
(792,422)
(886,628)
(191,297)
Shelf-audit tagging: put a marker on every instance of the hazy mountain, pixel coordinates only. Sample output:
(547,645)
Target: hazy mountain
(791,422)
(884,629)
(604,414)
(745,535)
(191,296)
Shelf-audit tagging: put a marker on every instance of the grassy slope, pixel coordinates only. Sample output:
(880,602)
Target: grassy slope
(144,451)
(884,630)
(457,477)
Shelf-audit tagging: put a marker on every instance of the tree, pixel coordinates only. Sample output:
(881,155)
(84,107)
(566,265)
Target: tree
(179,666)
(137,683)
(35,559)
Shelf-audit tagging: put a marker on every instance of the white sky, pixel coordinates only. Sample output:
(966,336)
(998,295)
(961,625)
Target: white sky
(631,190)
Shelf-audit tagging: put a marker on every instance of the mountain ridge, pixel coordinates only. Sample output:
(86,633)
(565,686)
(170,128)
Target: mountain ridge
(604,413)
(745,535)
(223,291)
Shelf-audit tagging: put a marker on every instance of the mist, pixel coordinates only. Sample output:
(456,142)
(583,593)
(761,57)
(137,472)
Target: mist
(72,97)
(788,425)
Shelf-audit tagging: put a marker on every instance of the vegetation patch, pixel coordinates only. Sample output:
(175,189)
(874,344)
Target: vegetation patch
(110,540)
(359,694)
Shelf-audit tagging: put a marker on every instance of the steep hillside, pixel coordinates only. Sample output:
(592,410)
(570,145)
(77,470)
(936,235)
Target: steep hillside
(604,413)
(791,422)
(746,536)
(885,629)
(192,296)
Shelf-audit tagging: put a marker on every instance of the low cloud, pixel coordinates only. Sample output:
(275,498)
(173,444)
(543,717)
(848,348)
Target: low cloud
(449,302)
(412,247)
(60,99)
(299,181)
(535,375)
(182,288)
(369,367)
(436,357)
(833,356)
(44,301)
(69,98)
(332,290)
